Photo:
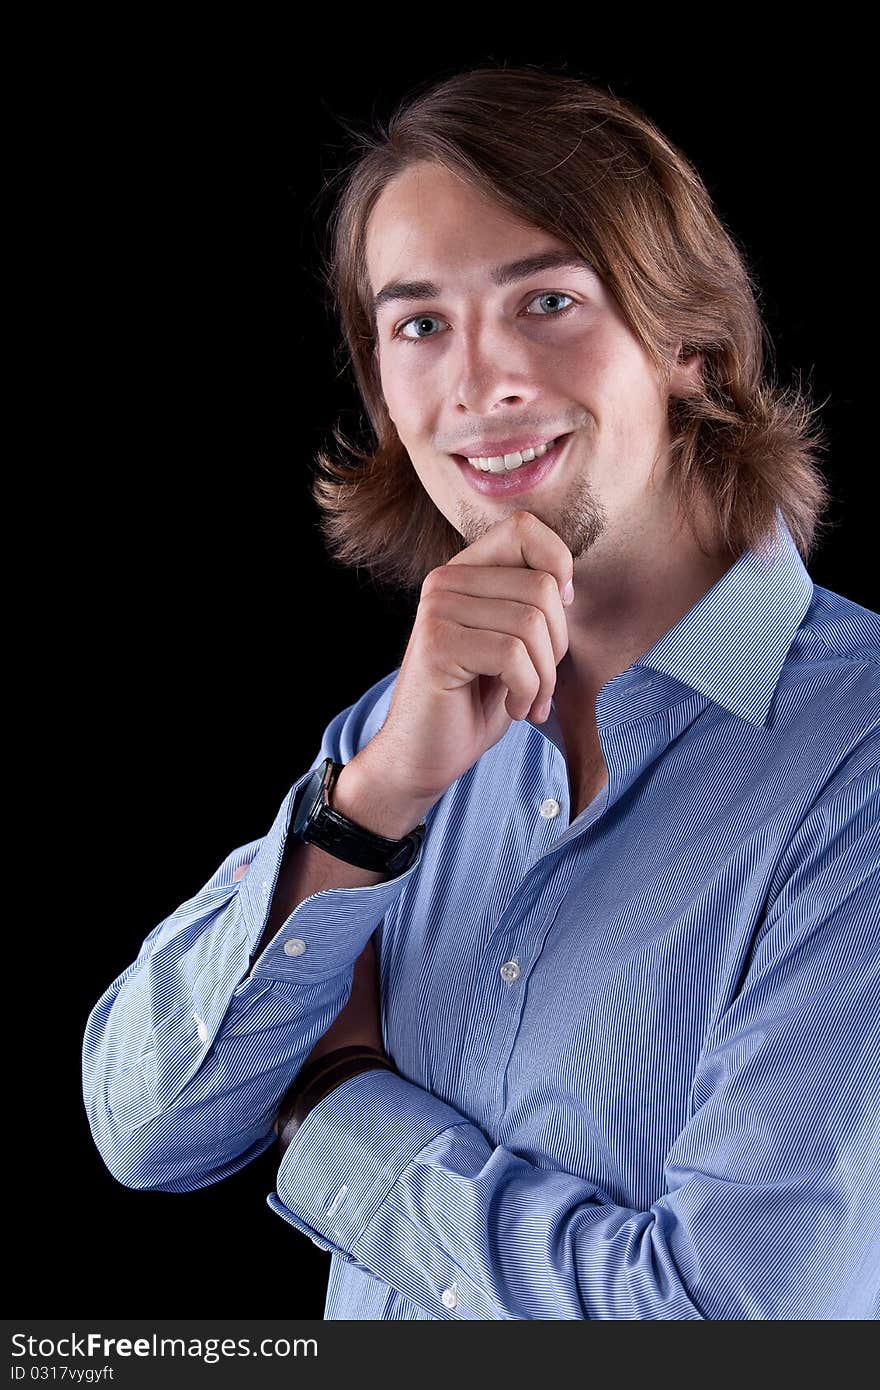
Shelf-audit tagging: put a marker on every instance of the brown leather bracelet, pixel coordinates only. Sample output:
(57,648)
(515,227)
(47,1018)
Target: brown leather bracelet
(349,1062)
(330,1065)
(312,1070)
(328,1081)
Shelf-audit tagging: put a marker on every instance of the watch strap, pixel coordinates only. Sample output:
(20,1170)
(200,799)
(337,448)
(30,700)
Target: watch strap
(353,843)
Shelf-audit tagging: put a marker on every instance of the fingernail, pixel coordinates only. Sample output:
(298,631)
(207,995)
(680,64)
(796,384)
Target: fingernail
(568,592)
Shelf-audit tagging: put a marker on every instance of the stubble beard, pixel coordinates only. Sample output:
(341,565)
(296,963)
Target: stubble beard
(578,518)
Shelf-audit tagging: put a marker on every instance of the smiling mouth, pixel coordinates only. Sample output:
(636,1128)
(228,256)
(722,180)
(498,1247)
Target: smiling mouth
(523,478)
(511,463)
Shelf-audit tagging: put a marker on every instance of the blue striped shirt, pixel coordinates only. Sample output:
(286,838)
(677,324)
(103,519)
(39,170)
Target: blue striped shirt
(638,1054)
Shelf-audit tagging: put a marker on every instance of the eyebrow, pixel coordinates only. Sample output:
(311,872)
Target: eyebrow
(501,275)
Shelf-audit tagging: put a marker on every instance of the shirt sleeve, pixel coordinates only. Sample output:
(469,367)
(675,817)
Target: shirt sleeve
(187,1054)
(771,1206)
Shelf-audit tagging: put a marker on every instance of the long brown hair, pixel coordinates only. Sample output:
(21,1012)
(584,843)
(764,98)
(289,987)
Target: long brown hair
(593,170)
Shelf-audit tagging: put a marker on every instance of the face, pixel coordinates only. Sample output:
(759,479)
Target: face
(531,359)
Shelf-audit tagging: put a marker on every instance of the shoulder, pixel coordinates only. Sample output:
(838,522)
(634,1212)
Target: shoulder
(835,659)
(843,628)
(825,714)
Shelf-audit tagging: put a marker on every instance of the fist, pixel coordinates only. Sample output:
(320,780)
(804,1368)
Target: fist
(488,635)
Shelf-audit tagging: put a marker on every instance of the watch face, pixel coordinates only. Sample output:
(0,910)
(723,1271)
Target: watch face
(397,862)
(308,796)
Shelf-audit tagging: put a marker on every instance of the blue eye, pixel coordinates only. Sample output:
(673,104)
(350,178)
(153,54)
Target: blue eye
(420,318)
(429,318)
(552,294)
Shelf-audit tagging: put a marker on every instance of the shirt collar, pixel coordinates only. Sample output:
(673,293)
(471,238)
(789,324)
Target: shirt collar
(731,646)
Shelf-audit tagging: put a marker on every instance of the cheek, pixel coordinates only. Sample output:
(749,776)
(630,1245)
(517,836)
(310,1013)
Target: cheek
(606,360)
(439,479)
(410,403)
(396,392)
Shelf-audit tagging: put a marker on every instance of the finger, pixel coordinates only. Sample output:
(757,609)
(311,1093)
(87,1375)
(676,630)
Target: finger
(502,615)
(462,653)
(507,582)
(521,539)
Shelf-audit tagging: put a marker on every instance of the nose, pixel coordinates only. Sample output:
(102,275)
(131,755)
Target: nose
(492,368)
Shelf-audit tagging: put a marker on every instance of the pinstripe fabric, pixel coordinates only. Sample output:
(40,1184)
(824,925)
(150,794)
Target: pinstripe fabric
(638,1054)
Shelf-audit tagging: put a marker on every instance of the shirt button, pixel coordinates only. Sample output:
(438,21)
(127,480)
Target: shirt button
(449,1297)
(510,971)
(265,888)
(294,946)
(549,808)
(200,1028)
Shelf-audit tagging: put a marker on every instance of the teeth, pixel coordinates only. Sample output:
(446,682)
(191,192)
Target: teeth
(507,463)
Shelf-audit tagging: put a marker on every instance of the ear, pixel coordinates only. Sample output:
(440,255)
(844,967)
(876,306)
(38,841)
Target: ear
(685,377)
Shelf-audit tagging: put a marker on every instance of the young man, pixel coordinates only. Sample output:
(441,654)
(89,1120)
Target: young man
(613,823)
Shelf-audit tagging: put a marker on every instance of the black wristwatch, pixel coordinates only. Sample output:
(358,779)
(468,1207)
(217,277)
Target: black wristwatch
(317,823)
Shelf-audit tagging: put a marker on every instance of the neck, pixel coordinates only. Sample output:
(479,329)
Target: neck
(629,590)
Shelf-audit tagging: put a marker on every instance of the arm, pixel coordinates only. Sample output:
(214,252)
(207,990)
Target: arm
(188,1052)
(770,1205)
(358,1025)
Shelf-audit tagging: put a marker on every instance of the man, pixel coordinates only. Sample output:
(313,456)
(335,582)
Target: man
(612,827)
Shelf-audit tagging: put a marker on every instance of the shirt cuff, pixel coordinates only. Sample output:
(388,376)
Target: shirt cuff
(344,1161)
(329,929)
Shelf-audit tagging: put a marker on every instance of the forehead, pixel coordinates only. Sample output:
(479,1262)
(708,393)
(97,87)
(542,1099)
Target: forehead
(428,223)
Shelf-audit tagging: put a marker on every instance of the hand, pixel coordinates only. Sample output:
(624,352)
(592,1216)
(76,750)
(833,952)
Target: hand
(489,633)
(360,1022)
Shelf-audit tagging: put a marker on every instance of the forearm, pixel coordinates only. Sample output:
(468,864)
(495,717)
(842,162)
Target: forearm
(306,869)
(354,1041)
(220,1000)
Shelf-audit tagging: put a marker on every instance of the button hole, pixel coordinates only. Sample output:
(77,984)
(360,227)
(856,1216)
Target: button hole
(337,1201)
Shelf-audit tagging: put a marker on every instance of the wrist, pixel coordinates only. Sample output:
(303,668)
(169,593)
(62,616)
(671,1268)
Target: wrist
(364,795)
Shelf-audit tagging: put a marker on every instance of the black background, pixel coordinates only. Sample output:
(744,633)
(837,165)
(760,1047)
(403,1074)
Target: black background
(201,638)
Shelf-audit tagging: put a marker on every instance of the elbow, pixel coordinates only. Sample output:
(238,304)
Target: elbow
(125,1168)
(121,1147)
(147,1159)
(140,1143)
(171,1150)
(125,1160)
(146,1156)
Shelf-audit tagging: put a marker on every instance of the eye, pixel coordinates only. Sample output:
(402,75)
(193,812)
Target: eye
(434,318)
(419,319)
(552,294)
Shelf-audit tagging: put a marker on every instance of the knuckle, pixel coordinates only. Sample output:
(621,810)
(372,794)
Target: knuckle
(435,605)
(547,585)
(432,581)
(428,602)
(434,628)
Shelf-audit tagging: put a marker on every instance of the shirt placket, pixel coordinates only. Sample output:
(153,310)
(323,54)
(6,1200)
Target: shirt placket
(517,941)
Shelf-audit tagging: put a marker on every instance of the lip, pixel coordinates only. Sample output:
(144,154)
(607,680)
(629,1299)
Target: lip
(514,444)
(523,479)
